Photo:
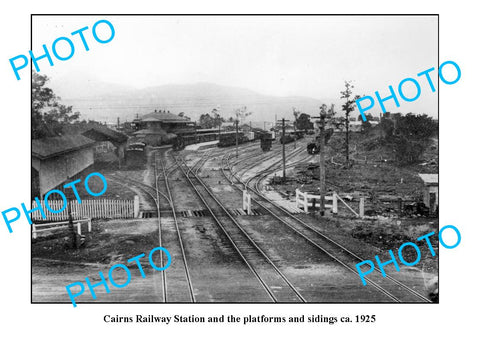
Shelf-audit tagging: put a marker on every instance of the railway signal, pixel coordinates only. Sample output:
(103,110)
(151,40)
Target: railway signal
(283,149)
(321,166)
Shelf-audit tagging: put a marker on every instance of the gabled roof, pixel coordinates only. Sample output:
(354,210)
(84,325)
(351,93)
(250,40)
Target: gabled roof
(429,178)
(147,131)
(44,148)
(161,116)
(102,133)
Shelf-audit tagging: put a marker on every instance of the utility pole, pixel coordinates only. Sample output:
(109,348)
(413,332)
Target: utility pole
(195,132)
(283,150)
(295,113)
(295,133)
(275,128)
(236,137)
(322,163)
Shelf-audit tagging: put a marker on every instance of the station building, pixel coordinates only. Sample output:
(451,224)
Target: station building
(160,127)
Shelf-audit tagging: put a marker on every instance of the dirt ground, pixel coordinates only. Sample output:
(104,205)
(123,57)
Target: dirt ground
(218,273)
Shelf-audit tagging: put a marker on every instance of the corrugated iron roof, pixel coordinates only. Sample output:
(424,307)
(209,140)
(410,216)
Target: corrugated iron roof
(102,133)
(429,178)
(44,148)
(163,117)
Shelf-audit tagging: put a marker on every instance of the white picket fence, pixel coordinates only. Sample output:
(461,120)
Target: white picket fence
(103,208)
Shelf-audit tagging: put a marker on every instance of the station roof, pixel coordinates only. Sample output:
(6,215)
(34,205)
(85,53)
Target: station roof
(165,117)
(429,178)
(44,148)
(103,133)
(147,131)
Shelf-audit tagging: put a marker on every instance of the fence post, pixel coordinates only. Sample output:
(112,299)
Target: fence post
(136,206)
(305,202)
(334,203)
(362,207)
(89,225)
(244,197)
(34,231)
(297,198)
(79,228)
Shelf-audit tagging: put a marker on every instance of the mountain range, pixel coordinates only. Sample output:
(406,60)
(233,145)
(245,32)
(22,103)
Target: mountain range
(106,102)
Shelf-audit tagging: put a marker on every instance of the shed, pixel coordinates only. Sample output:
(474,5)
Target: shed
(430,190)
(104,134)
(56,159)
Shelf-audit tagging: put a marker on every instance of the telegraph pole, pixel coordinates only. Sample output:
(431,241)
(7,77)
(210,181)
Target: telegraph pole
(236,136)
(195,132)
(283,149)
(275,128)
(322,163)
(295,131)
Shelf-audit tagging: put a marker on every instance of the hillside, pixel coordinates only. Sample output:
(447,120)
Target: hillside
(106,102)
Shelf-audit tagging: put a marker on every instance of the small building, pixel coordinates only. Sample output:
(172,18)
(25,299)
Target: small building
(430,190)
(106,139)
(56,159)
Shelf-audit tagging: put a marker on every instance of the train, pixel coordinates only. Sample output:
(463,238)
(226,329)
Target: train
(187,138)
(291,136)
(266,139)
(135,154)
(314,147)
(228,139)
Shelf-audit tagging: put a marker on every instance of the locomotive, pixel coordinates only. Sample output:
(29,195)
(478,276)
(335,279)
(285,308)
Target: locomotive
(135,154)
(314,147)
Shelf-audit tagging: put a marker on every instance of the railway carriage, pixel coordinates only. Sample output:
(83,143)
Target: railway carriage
(184,139)
(228,139)
(135,155)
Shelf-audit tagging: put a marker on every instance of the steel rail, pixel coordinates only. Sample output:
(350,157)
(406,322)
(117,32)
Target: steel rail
(262,174)
(187,272)
(245,234)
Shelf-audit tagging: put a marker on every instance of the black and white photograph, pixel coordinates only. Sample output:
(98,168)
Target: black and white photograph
(224,159)
(218,174)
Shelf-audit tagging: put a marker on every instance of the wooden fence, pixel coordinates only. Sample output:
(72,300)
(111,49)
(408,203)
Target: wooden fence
(103,208)
(305,200)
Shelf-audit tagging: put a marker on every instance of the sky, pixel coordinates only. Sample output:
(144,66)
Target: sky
(308,56)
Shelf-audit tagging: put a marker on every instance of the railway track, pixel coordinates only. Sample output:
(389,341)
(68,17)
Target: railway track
(246,169)
(389,286)
(165,226)
(179,246)
(273,281)
(153,194)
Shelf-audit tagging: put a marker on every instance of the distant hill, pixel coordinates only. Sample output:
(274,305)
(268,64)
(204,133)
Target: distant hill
(106,102)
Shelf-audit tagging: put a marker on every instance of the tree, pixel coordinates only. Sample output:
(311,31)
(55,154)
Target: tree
(408,135)
(241,114)
(303,122)
(206,121)
(217,120)
(368,116)
(348,108)
(48,115)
